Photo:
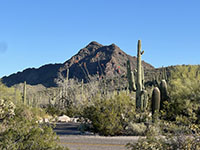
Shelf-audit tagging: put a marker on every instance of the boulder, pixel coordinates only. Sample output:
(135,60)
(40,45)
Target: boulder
(75,120)
(64,118)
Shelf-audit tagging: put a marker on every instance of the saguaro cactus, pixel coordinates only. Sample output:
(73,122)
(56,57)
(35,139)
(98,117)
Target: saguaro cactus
(163,92)
(65,85)
(141,94)
(139,78)
(52,100)
(155,100)
(164,74)
(24,93)
(67,76)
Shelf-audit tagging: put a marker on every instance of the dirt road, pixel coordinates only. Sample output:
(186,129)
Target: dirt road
(71,137)
(80,142)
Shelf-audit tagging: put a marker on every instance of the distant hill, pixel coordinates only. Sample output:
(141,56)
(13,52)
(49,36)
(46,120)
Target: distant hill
(94,59)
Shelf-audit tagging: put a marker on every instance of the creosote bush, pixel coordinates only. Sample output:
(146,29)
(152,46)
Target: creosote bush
(110,115)
(176,141)
(19,129)
(184,95)
(21,132)
(6,109)
(137,129)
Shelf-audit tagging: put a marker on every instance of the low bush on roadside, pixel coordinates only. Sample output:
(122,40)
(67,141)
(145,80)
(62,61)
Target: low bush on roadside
(137,129)
(19,130)
(53,110)
(110,116)
(176,141)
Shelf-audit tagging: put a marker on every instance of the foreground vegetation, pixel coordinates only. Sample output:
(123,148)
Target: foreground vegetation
(109,112)
(178,123)
(19,129)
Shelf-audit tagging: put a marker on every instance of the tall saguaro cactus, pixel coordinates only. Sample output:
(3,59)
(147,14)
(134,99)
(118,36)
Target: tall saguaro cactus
(65,85)
(138,86)
(24,93)
(67,76)
(141,97)
(139,77)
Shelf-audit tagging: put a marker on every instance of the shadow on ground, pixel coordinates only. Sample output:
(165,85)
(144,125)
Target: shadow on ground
(69,129)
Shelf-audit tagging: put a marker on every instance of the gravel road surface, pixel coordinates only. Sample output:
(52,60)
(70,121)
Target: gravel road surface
(83,142)
(72,138)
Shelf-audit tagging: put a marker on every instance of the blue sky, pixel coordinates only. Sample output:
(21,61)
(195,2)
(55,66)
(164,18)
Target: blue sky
(38,32)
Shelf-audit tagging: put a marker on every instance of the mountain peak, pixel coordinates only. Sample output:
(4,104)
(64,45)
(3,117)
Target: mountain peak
(113,46)
(94,43)
(93,60)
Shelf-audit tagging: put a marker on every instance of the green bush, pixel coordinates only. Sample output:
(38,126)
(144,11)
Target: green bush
(110,116)
(21,132)
(176,141)
(148,143)
(169,143)
(10,94)
(53,110)
(137,129)
(25,135)
(6,109)
(184,94)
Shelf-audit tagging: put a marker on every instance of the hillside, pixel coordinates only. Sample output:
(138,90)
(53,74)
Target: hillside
(94,59)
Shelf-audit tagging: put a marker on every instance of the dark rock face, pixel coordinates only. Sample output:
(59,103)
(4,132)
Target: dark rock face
(94,59)
(44,75)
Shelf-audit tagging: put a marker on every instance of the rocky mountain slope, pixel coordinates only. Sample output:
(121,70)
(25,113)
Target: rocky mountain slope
(94,59)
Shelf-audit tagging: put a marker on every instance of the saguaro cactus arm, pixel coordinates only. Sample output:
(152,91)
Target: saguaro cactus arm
(133,80)
(130,76)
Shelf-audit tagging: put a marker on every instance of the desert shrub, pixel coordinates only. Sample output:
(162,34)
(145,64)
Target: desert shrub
(110,115)
(10,94)
(148,143)
(53,110)
(170,127)
(184,94)
(23,133)
(38,112)
(142,117)
(18,127)
(153,141)
(137,129)
(75,94)
(180,110)
(6,109)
